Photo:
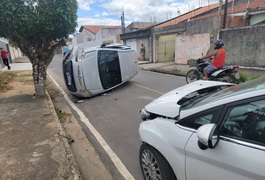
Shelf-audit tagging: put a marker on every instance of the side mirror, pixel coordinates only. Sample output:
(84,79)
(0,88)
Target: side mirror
(208,136)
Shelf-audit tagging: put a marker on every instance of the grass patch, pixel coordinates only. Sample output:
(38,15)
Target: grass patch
(63,116)
(244,76)
(5,80)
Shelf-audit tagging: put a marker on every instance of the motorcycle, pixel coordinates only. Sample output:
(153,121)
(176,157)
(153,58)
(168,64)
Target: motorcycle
(224,74)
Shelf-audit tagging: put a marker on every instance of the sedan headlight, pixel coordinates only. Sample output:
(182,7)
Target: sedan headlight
(144,114)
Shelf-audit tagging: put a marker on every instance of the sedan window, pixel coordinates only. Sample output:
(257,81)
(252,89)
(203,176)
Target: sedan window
(198,120)
(246,122)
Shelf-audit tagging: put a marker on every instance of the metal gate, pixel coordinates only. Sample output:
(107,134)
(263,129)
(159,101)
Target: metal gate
(166,48)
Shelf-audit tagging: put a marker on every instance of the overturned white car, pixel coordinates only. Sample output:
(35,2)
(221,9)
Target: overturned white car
(92,71)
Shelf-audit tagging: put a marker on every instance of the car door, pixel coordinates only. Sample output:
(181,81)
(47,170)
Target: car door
(240,153)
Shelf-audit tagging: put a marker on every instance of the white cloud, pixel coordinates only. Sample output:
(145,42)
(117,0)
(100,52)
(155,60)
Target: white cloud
(85,4)
(97,21)
(105,13)
(138,10)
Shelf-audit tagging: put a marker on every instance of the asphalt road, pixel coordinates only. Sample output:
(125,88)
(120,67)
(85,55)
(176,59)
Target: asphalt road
(115,114)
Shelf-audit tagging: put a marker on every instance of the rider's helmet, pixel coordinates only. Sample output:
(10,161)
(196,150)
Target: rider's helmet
(219,43)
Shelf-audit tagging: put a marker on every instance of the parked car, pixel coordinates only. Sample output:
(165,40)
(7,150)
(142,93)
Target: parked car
(205,130)
(92,71)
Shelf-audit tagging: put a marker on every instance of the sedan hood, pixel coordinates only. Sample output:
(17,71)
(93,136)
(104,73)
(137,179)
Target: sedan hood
(167,104)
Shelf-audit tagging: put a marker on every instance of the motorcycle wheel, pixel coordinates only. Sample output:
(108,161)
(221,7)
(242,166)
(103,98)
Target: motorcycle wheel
(192,75)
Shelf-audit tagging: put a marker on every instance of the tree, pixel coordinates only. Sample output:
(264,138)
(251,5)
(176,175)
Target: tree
(33,25)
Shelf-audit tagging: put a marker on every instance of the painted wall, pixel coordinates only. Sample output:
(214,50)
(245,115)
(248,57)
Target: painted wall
(87,39)
(85,36)
(147,45)
(245,46)
(3,44)
(136,45)
(257,19)
(191,47)
(195,42)
(109,32)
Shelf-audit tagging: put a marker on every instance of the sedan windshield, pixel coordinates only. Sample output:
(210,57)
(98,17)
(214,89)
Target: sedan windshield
(197,96)
(232,91)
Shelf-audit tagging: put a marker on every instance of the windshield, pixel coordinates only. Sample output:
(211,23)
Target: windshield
(189,100)
(232,91)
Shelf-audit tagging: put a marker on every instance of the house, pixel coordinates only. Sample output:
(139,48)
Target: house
(94,35)
(13,51)
(134,26)
(190,35)
(159,39)
(138,33)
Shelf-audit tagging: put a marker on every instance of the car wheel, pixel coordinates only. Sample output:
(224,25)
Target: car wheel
(153,165)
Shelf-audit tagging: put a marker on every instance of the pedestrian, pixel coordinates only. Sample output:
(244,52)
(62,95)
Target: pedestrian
(142,52)
(218,55)
(4,55)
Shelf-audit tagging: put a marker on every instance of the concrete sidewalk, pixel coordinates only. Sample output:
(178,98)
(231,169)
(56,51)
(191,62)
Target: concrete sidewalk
(33,143)
(166,68)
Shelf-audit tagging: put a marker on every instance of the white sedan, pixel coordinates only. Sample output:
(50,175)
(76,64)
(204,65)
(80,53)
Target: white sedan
(205,130)
(94,70)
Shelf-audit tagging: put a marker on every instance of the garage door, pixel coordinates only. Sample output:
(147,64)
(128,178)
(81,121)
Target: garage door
(166,48)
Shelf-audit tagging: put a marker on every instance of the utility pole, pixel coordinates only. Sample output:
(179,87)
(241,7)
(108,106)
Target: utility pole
(225,14)
(122,23)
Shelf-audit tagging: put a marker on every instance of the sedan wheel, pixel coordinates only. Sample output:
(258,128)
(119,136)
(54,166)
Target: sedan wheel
(153,164)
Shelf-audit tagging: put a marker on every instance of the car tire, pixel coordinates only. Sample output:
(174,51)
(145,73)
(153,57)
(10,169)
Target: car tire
(154,165)
(192,75)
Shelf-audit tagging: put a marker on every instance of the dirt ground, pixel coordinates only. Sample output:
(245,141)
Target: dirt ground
(22,84)
(87,159)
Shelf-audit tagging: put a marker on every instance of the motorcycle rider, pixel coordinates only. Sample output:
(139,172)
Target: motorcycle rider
(219,55)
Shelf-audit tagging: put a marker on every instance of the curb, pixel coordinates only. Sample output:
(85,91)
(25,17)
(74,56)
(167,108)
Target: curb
(68,151)
(157,70)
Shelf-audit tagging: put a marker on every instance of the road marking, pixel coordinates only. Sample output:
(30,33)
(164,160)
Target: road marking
(149,89)
(115,159)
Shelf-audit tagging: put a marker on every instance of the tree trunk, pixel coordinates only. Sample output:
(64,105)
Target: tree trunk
(39,71)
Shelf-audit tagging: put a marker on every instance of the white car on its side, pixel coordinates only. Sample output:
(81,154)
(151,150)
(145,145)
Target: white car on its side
(205,130)
(91,71)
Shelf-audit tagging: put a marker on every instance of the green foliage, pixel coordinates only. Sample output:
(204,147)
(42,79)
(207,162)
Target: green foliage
(35,23)
(244,76)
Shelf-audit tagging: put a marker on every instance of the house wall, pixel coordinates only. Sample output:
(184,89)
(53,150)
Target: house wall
(136,45)
(132,43)
(245,46)
(88,39)
(196,41)
(257,19)
(191,47)
(14,52)
(105,33)
(147,45)
(2,45)
(85,36)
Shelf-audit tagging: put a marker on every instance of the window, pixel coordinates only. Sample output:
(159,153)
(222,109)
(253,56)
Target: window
(246,122)
(198,120)
(109,68)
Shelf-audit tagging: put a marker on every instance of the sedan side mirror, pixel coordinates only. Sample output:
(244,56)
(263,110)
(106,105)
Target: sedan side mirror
(208,136)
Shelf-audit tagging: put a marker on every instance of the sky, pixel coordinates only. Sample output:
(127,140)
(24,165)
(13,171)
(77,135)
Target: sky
(108,12)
